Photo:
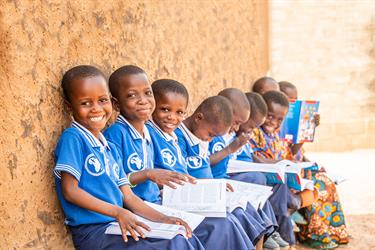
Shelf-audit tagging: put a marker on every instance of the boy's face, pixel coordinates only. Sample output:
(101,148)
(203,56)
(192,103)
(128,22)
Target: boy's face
(90,103)
(275,117)
(135,98)
(207,131)
(170,111)
(291,93)
(251,124)
(239,117)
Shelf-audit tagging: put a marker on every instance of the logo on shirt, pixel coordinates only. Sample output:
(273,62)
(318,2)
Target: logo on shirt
(116,171)
(93,166)
(194,161)
(168,158)
(218,146)
(135,163)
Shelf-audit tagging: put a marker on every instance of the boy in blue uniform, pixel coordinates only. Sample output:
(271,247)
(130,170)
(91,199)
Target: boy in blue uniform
(134,99)
(90,183)
(210,119)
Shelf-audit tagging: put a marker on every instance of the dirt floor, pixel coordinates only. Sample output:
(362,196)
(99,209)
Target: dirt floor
(357,193)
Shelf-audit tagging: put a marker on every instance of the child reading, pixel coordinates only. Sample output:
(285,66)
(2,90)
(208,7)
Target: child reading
(133,97)
(321,231)
(90,182)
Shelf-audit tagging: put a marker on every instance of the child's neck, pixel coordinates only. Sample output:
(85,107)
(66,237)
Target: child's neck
(137,124)
(188,122)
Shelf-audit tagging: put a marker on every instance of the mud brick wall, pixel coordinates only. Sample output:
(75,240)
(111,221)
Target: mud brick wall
(207,45)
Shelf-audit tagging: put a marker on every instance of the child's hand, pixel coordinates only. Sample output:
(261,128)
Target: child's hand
(178,221)
(317,120)
(240,140)
(129,223)
(230,188)
(166,177)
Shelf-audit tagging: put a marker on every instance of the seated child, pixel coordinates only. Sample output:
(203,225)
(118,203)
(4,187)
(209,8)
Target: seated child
(321,231)
(90,182)
(222,148)
(268,149)
(264,84)
(133,97)
(206,123)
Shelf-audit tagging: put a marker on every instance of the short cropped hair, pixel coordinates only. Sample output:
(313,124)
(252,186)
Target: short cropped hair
(257,104)
(236,97)
(258,84)
(162,86)
(114,79)
(216,110)
(284,85)
(276,97)
(75,73)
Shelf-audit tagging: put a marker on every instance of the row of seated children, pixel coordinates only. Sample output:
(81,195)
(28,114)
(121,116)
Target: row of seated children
(142,154)
(325,223)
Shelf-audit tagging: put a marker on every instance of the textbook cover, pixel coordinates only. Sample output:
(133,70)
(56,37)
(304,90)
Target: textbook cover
(298,125)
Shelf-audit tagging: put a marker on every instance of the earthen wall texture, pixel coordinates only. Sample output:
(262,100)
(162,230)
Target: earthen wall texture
(207,45)
(327,49)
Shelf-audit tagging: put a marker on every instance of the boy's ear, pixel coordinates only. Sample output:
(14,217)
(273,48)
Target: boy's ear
(199,117)
(115,104)
(68,106)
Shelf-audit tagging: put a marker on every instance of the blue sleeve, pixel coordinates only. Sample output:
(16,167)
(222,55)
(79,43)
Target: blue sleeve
(68,155)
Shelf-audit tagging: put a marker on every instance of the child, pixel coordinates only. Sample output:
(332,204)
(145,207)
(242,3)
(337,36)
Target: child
(267,148)
(264,84)
(321,231)
(222,148)
(90,183)
(212,118)
(134,99)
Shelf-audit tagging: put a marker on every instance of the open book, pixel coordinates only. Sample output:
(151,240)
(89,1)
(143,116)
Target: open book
(162,230)
(284,171)
(207,197)
(299,125)
(245,193)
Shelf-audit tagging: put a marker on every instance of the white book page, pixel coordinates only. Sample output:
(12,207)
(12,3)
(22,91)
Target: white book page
(236,166)
(207,195)
(193,220)
(307,184)
(158,230)
(255,194)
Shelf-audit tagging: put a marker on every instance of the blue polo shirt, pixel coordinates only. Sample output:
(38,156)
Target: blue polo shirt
(166,149)
(219,170)
(245,153)
(137,154)
(96,165)
(195,152)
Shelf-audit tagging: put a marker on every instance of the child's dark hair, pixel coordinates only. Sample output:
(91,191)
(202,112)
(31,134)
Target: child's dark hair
(284,85)
(236,97)
(257,104)
(114,79)
(75,73)
(258,84)
(216,110)
(162,86)
(276,97)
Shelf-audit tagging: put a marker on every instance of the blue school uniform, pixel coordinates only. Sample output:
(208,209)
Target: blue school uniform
(264,216)
(137,154)
(214,233)
(96,165)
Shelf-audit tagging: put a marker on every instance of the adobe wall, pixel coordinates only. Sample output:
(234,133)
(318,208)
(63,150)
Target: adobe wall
(327,48)
(207,45)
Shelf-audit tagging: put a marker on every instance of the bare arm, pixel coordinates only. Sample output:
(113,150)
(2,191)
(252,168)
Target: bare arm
(259,159)
(74,194)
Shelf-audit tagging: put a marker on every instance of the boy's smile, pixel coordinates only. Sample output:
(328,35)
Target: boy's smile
(170,111)
(90,103)
(135,99)
(275,117)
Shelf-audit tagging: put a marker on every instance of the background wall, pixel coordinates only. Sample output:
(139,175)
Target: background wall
(207,45)
(327,49)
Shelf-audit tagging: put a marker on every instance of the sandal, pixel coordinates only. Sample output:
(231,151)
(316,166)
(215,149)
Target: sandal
(321,245)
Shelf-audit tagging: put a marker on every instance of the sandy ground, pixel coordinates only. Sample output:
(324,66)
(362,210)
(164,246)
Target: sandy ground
(357,193)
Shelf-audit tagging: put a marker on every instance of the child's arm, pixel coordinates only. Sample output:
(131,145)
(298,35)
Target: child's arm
(79,197)
(235,145)
(259,159)
(160,177)
(137,206)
